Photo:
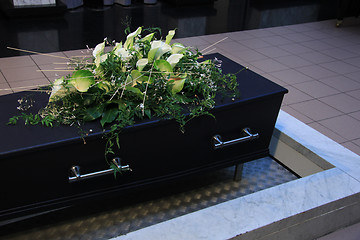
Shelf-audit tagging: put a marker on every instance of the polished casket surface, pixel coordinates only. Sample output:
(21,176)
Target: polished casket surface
(36,161)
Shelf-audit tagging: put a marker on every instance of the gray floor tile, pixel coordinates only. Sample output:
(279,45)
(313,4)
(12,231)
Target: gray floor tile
(193,41)
(255,43)
(345,126)
(81,53)
(316,71)
(291,76)
(354,61)
(293,61)
(269,65)
(242,35)
(338,42)
(249,55)
(357,141)
(2,78)
(315,34)
(277,40)
(274,79)
(353,48)
(339,54)
(340,67)
(273,52)
(327,132)
(231,46)
(317,45)
(297,114)
(341,83)
(259,33)
(15,62)
(354,76)
(342,102)
(21,74)
(316,89)
(255,69)
(316,110)
(298,37)
(354,94)
(295,96)
(355,115)
(316,57)
(213,38)
(58,57)
(296,48)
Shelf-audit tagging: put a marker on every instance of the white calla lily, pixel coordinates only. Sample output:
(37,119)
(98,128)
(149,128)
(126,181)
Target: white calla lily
(99,49)
(130,38)
(141,63)
(170,36)
(158,48)
(177,48)
(117,46)
(174,59)
(123,53)
(100,59)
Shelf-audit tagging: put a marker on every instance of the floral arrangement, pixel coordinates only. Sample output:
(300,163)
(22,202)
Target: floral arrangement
(140,78)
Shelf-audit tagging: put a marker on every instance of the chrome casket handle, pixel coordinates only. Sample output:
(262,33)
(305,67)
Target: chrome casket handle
(77,176)
(218,143)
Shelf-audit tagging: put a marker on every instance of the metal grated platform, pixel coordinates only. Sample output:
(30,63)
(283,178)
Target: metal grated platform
(104,220)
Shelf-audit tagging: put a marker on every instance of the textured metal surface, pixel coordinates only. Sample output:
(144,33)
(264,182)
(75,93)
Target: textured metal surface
(108,219)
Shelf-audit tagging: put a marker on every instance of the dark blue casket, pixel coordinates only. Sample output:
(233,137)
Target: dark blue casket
(45,168)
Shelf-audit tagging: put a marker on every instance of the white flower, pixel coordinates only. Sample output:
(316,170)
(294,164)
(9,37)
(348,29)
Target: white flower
(141,63)
(170,36)
(101,58)
(130,38)
(123,53)
(177,48)
(99,49)
(158,48)
(174,59)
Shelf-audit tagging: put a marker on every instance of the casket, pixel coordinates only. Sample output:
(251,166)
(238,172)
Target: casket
(44,168)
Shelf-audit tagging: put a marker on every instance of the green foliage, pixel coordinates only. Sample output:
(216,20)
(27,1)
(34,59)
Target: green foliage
(121,93)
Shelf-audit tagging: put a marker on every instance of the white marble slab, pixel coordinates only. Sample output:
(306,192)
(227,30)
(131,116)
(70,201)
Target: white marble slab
(321,145)
(263,208)
(33,2)
(253,211)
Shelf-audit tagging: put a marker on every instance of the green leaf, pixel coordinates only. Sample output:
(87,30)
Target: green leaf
(170,36)
(117,141)
(138,77)
(148,37)
(13,120)
(135,90)
(109,115)
(94,113)
(82,80)
(148,113)
(164,66)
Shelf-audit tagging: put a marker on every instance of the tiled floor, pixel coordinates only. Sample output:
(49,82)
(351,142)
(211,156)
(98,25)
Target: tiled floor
(318,63)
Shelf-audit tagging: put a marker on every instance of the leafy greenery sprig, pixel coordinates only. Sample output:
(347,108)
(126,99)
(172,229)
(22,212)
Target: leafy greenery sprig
(142,78)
